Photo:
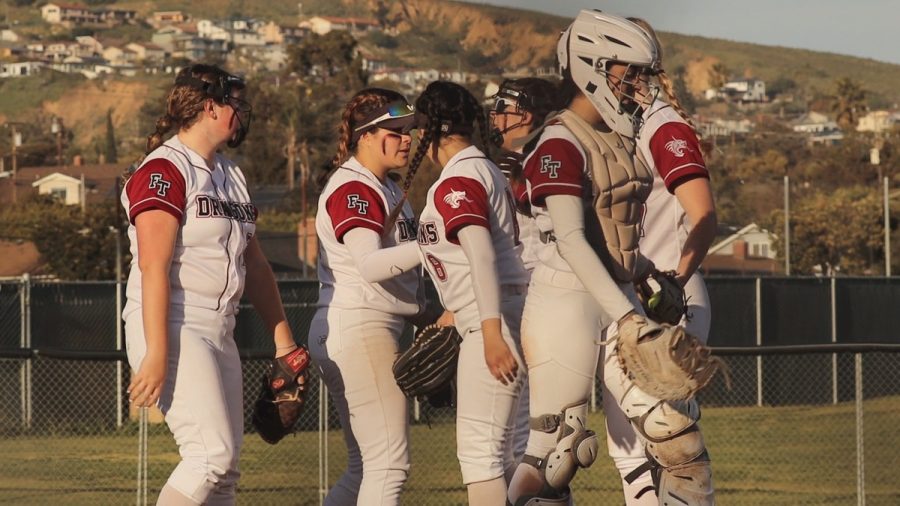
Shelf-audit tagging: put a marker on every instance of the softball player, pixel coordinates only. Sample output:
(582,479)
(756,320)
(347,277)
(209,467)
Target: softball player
(520,106)
(679,226)
(368,285)
(469,244)
(587,153)
(195,252)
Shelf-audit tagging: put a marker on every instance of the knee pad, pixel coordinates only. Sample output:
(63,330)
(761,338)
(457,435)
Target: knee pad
(686,484)
(541,501)
(576,446)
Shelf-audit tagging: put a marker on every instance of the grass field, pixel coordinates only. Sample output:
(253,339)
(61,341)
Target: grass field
(772,456)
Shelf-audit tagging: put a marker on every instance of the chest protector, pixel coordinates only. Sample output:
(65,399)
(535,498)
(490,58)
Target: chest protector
(621,182)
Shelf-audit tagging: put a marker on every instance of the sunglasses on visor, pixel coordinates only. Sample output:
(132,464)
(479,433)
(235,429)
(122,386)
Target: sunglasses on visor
(394,110)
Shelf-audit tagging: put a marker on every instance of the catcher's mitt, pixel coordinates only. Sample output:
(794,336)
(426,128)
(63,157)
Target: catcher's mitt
(664,360)
(281,398)
(662,297)
(428,367)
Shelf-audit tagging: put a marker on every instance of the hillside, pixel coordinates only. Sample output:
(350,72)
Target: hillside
(440,34)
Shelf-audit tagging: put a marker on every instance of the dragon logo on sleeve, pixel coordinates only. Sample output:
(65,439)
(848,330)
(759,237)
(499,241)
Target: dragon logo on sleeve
(677,147)
(455,198)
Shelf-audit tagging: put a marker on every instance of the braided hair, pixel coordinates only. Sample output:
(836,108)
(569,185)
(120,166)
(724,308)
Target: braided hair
(358,108)
(443,109)
(184,103)
(665,81)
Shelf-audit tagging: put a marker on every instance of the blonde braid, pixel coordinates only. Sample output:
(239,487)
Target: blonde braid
(666,83)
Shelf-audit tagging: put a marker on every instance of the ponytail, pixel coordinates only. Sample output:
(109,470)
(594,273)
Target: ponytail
(669,89)
(163,125)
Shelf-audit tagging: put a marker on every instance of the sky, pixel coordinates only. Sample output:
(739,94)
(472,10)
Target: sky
(866,28)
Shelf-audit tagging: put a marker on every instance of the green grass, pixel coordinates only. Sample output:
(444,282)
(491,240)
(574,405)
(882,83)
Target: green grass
(773,456)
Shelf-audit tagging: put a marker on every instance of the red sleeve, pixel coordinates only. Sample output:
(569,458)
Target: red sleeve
(355,204)
(158,184)
(519,191)
(461,201)
(676,153)
(555,168)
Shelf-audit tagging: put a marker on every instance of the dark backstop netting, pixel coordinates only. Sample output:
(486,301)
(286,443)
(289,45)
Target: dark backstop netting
(733,302)
(868,310)
(10,315)
(74,316)
(796,311)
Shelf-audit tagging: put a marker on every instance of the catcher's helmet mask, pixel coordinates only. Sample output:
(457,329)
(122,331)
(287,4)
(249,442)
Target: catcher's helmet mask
(221,90)
(588,47)
(520,103)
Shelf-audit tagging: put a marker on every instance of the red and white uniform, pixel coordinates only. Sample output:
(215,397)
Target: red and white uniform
(354,197)
(471,191)
(202,395)
(354,336)
(670,147)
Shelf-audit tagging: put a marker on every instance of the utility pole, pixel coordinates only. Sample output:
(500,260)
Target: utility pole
(887,229)
(291,153)
(56,129)
(787,225)
(16,142)
(304,177)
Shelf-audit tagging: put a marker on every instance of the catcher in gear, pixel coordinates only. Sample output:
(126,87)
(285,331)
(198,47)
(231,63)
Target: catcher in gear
(282,396)
(428,368)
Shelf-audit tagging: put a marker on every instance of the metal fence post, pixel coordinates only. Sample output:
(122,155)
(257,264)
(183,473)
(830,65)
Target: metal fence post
(323,441)
(860,453)
(759,381)
(119,367)
(834,367)
(25,340)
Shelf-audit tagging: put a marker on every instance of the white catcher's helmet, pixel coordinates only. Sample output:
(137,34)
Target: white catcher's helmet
(593,41)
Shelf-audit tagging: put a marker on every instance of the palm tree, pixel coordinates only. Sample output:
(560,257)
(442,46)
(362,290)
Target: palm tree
(848,102)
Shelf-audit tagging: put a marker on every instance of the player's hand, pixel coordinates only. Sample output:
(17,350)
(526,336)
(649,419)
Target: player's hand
(446,319)
(499,358)
(146,385)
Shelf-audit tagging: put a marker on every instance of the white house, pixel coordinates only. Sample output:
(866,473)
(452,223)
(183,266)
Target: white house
(724,127)
(145,51)
(9,36)
(878,121)
(64,13)
(209,29)
(820,128)
(750,250)
(20,69)
(67,189)
(325,24)
(89,46)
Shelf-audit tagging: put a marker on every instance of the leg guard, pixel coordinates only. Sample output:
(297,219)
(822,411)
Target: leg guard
(674,445)
(576,447)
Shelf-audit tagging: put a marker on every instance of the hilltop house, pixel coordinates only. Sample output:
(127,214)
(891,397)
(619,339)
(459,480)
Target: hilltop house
(20,69)
(745,90)
(325,24)
(878,122)
(820,128)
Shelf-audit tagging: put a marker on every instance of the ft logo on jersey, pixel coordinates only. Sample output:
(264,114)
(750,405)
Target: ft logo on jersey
(548,165)
(361,205)
(161,185)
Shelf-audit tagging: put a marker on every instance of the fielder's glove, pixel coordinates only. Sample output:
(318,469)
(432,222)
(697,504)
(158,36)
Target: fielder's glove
(282,396)
(510,163)
(663,360)
(662,297)
(428,368)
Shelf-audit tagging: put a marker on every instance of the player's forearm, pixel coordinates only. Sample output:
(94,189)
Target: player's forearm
(479,250)
(696,246)
(262,291)
(155,307)
(375,263)
(567,214)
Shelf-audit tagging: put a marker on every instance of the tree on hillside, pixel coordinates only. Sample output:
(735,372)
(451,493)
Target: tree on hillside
(321,57)
(111,153)
(839,232)
(848,102)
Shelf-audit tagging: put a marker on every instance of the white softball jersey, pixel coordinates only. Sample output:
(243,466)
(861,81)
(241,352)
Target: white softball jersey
(557,166)
(529,235)
(354,197)
(471,190)
(217,221)
(671,148)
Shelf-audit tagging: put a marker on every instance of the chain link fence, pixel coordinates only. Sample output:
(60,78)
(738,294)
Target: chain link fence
(798,426)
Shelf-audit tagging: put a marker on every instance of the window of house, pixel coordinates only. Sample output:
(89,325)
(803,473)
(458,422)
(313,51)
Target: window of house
(58,193)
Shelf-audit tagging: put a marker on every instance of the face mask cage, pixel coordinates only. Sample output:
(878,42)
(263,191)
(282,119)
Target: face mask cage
(634,90)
